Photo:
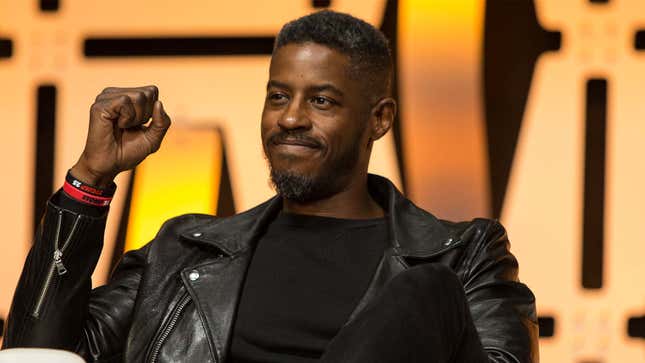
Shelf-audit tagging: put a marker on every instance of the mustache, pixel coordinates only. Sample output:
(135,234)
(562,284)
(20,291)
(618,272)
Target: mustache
(294,138)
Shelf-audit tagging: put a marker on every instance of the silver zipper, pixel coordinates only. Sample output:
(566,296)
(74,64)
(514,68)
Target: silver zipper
(184,300)
(57,263)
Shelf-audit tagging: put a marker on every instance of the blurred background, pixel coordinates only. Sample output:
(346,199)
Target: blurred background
(529,111)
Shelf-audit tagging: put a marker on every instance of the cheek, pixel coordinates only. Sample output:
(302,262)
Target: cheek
(266,123)
(347,134)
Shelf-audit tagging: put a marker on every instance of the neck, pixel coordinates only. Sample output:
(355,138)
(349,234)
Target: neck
(352,202)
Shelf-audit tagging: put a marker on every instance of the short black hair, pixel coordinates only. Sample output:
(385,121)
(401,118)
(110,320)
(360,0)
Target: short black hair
(367,47)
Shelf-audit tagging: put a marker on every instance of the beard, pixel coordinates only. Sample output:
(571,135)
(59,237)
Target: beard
(328,180)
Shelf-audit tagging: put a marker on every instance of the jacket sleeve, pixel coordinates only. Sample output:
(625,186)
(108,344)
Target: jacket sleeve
(54,306)
(502,308)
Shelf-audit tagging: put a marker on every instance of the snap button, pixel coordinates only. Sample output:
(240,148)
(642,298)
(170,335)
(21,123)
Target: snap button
(448,242)
(193,275)
(197,234)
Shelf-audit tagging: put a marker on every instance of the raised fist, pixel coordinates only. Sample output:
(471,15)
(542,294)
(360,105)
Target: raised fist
(118,138)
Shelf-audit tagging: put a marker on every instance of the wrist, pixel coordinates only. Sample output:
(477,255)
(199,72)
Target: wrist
(86,176)
(87,193)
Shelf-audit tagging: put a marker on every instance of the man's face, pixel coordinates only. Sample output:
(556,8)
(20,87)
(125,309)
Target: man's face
(314,122)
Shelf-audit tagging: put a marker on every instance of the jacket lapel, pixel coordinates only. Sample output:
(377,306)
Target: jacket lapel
(215,284)
(215,293)
(414,233)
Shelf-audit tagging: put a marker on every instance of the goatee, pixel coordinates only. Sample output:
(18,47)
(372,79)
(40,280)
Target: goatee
(328,180)
(300,188)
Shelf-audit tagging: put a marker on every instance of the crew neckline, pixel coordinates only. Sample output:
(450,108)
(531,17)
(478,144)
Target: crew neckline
(307,220)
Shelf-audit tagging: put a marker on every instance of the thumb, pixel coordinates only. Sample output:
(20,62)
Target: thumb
(158,126)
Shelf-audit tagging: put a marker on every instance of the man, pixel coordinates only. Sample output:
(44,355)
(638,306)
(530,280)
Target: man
(338,267)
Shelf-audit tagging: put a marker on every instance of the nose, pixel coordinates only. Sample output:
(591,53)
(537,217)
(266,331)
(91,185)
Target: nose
(294,116)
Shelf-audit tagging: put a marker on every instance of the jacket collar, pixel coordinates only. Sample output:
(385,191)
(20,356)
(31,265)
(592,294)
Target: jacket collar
(414,232)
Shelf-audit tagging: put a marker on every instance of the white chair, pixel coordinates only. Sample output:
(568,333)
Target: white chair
(38,355)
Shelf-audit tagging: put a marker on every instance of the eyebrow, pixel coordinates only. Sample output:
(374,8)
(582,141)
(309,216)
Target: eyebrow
(276,84)
(327,87)
(319,88)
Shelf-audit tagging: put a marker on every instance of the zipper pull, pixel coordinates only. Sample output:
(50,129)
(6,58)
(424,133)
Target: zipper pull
(58,261)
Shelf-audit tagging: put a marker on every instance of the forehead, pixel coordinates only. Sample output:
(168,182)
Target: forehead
(309,62)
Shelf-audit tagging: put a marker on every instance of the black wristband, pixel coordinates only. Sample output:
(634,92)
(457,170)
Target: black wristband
(90,189)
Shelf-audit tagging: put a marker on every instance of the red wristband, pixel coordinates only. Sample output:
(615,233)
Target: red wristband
(90,189)
(85,197)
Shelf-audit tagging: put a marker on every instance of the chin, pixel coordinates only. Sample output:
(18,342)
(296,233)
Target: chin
(295,165)
(301,187)
(293,172)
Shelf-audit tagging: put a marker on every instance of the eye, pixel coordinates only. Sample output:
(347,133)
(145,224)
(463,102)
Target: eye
(322,102)
(277,98)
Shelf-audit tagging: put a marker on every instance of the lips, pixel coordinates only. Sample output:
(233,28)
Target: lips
(286,139)
(294,146)
(294,149)
(304,143)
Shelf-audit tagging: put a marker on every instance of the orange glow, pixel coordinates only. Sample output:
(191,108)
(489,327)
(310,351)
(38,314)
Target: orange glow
(444,146)
(182,177)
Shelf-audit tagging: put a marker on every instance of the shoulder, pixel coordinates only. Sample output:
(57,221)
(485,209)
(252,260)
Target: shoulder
(486,247)
(229,234)
(477,230)
(480,237)
(185,222)
(480,241)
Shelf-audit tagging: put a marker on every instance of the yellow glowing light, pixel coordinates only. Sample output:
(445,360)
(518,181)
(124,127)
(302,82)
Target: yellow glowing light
(182,177)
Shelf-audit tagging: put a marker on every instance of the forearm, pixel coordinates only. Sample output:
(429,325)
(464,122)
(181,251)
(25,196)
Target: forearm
(50,301)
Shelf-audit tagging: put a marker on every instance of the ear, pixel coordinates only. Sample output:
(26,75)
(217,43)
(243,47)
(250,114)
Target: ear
(382,117)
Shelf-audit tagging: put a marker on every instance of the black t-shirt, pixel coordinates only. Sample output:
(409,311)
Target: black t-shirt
(307,275)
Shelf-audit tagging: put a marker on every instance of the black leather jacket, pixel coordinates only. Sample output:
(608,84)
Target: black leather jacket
(175,298)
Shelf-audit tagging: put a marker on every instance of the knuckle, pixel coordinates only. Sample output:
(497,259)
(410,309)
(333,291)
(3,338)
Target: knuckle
(124,104)
(123,99)
(153,89)
(148,94)
(140,97)
(97,107)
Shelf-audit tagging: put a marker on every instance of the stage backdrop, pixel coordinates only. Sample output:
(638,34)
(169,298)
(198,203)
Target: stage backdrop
(527,111)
